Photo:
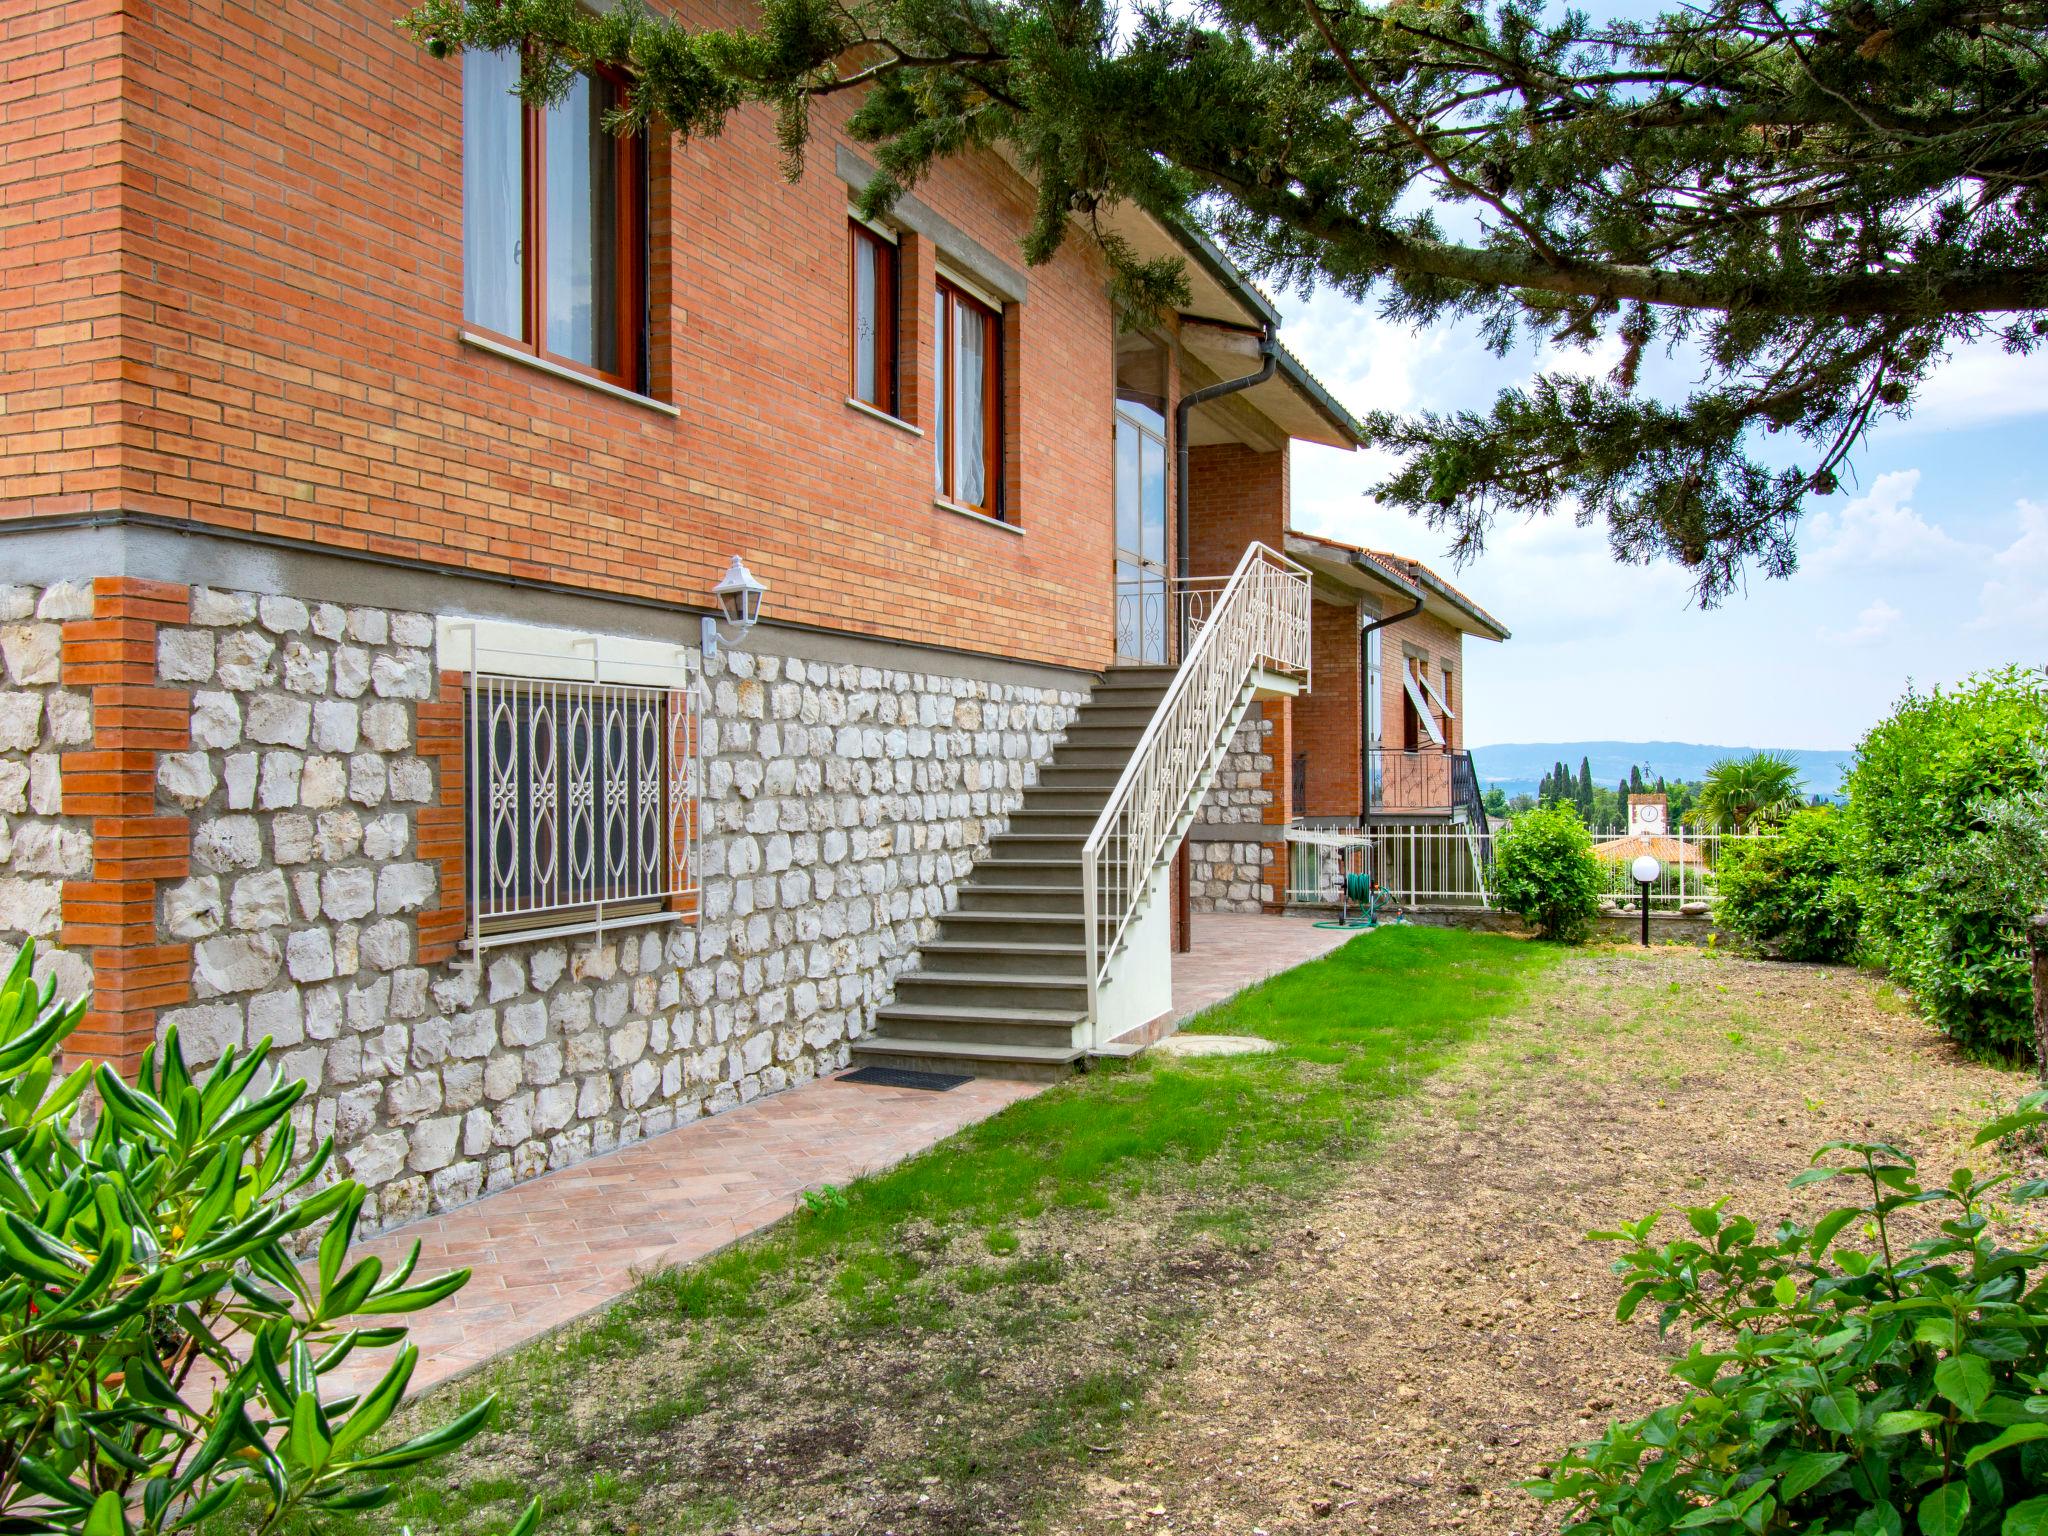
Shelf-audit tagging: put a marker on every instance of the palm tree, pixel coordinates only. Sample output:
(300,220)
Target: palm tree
(1739,792)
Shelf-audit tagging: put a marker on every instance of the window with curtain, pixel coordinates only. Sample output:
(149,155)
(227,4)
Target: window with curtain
(968,424)
(554,222)
(873,288)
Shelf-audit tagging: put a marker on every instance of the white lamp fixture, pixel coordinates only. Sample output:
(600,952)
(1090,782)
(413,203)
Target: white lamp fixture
(1646,869)
(739,600)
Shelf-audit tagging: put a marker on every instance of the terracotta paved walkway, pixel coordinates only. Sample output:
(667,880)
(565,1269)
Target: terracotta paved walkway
(548,1251)
(1232,952)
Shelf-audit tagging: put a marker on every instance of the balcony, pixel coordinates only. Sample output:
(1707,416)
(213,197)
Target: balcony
(1430,782)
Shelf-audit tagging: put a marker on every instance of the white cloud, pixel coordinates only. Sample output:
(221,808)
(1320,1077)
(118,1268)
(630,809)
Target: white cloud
(1872,625)
(1880,528)
(2016,595)
(1981,383)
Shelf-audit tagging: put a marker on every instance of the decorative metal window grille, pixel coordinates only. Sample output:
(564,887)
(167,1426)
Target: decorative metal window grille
(583,804)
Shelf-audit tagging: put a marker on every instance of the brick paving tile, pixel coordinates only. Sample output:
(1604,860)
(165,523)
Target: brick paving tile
(548,1251)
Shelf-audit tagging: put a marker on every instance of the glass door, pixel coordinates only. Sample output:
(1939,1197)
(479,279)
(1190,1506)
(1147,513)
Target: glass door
(1144,612)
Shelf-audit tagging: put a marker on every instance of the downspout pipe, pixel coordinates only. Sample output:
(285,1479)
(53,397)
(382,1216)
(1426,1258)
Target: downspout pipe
(1183,409)
(1364,707)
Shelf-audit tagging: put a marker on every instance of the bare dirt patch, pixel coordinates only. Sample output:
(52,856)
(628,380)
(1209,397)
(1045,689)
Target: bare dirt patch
(1442,1326)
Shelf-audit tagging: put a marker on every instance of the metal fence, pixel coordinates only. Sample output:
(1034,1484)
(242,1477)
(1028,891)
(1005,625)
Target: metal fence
(1687,860)
(1450,864)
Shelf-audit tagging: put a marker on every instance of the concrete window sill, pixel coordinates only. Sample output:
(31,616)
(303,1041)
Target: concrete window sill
(556,370)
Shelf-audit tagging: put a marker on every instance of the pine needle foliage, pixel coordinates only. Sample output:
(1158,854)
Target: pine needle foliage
(1817,201)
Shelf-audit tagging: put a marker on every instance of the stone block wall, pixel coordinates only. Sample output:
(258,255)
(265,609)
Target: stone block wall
(843,803)
(40,720)
(1234,876)
(1230,868)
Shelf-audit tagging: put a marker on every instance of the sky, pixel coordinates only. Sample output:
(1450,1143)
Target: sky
(1932,562)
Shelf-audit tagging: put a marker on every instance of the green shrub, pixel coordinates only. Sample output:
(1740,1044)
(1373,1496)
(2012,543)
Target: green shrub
(1918,790)
(1544,872)
(1787,892)
(162,1352)
(1867,1386)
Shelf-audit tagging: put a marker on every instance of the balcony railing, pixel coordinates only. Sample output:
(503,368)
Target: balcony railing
(1154,612)
(1429,782)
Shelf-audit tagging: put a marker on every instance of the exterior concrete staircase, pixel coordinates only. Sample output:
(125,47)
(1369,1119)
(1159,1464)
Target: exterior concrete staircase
(1003,988)
(1061,943)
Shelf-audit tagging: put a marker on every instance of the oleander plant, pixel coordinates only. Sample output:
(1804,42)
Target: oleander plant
(1882,1371)
(162,1352)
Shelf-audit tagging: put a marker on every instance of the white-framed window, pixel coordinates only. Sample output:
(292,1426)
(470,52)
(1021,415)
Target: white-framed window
(582,780)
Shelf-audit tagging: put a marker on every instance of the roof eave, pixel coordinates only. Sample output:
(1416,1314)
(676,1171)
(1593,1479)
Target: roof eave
(1209,256)
(1484,623)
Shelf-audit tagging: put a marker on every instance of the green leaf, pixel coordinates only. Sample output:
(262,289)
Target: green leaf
(1964,1380)
(435,1442)
(307,1442)
(2027,1519)
(2005,1125)
(1807,1469)
(1836,1411)
(2017,1435)
(1943,1511)
(107,1517)
(1905,1423)
(1785,1291)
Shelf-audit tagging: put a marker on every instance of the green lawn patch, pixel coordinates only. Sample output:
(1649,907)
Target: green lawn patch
(930,1348)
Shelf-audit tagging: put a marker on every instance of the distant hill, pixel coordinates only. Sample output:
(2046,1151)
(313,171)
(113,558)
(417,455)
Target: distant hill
(1518,766)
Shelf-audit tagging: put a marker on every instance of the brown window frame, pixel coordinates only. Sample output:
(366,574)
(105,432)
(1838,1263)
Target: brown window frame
(992,403)
(888,320)
(630,308)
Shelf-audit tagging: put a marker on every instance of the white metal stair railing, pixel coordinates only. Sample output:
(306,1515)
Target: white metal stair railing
(1260,621)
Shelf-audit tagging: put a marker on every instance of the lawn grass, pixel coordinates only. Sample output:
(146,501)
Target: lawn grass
(943,1323)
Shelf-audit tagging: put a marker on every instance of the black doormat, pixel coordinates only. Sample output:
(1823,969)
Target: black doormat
(903,1077)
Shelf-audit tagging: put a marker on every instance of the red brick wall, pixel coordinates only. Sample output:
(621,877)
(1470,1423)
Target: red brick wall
(1326,719)
(113,782)
(60,220)
(1439,643)
(1237,495)
(292,266)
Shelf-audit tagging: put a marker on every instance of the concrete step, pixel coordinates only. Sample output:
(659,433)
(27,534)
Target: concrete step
(1030,817)
(1091,755)
(1086,733)
(982,1024)
(990,957)
(1040,845)
(1025,869)
(1072,778)
(955,990)
(1085,802)
(1012,927)
(1118,712)
(1031,1063)
(1020,898)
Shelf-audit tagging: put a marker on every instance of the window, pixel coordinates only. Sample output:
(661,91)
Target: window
(968,435)
(1418,721)
(1144,625)
(554,222)
(873,298)
(581,802)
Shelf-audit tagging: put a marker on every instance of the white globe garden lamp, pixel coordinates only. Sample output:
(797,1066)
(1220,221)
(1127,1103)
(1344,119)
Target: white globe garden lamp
(1646,870)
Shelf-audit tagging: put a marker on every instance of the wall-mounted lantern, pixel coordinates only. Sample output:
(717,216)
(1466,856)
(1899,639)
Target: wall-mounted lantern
(739,600)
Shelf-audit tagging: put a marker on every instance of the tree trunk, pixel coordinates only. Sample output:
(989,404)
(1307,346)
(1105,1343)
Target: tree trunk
(2037,943)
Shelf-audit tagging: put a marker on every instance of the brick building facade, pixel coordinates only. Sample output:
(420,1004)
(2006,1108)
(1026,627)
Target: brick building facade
(266,479)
